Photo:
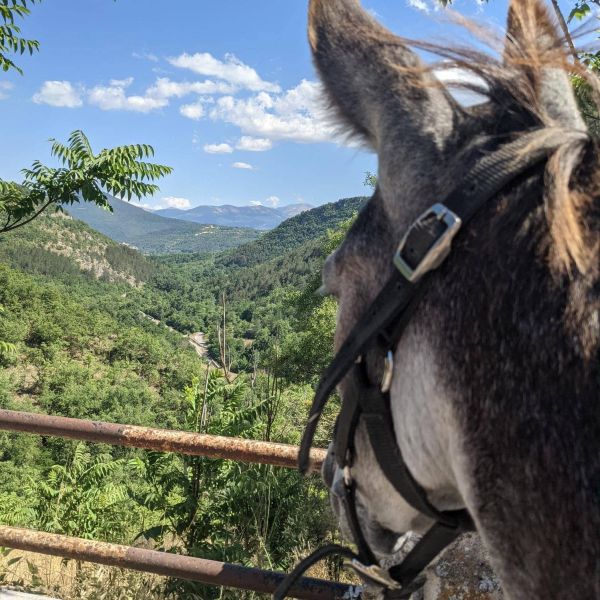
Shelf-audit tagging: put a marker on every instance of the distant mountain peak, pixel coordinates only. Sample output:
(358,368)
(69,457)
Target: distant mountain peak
(256,216)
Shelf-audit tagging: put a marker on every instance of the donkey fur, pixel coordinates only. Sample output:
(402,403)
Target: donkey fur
(495,397)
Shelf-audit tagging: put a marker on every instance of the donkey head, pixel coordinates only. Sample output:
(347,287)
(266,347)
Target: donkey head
(382,93)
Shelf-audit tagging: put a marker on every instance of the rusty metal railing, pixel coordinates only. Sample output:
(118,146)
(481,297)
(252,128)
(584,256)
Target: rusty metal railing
(172,565)
(165,440)
(206,571)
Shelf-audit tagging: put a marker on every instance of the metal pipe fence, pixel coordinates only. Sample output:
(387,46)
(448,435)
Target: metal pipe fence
(210,572)
(172,565)
(164,440)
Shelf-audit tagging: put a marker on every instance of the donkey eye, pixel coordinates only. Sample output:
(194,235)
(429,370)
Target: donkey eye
(323,291)
(328,275)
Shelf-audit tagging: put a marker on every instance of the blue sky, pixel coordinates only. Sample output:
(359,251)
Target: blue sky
(224,91)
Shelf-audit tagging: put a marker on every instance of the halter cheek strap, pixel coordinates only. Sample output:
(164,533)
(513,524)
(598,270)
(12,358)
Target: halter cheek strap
(425,246)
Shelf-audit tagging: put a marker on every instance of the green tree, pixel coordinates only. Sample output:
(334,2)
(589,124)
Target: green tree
(6,349)
(84,497)
(11,41)
(84,176)
(370,180)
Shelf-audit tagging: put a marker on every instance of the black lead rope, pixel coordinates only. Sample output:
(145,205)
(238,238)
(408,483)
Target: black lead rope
(318,555)
(423,249)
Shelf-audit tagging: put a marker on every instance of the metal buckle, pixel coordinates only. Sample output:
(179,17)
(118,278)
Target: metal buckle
(375,574)
(388,372)
(438,251)
(346,472)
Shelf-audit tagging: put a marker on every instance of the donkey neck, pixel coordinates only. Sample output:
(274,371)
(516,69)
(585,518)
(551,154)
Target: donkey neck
(519,349)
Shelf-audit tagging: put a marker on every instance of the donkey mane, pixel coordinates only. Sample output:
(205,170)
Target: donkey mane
(511,78)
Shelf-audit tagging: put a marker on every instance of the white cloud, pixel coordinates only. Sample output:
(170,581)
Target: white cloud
(271,201)
(254,144)
(231,70)
(145,55)
(158,95)
(113,97)
(242,165)
(175,202)
(121,82)
(5,87)
(419,5)
(193,111)
(167,202)
(58,93)
(165,88)
(297,114)
(218,148)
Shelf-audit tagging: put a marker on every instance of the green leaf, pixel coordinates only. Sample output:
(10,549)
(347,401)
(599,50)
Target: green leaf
(83,176)
(579,12)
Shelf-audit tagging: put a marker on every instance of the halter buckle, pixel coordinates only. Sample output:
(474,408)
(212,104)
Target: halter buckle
(375,573)
(388,372)
(436,253)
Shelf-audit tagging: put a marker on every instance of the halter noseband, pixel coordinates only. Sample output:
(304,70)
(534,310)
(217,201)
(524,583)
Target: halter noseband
(424,247)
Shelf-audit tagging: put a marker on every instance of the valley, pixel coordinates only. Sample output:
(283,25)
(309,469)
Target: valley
(228,342)
(154,234)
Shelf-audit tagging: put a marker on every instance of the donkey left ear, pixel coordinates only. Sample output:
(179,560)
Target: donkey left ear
(378,86)
(535,46)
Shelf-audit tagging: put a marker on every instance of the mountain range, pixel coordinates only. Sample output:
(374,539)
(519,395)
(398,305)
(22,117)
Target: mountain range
(155,234)
(255,216)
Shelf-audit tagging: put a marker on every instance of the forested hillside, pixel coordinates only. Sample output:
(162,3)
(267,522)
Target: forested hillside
(99,331)
(292,233)
(57,245)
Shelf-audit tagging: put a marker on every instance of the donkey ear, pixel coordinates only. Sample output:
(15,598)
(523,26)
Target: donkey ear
(534,45)
(373,80)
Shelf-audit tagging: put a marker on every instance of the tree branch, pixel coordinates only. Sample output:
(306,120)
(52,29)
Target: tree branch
(18,224)
(565,29)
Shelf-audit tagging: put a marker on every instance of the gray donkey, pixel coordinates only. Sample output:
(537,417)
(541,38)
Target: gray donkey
(495,391)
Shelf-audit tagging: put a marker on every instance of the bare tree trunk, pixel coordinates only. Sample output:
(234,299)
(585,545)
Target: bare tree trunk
(203,420)
(223,345)
(565,29)
(254,370)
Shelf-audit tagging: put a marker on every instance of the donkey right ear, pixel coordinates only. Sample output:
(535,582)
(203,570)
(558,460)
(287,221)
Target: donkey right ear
(535,47)
(373,80)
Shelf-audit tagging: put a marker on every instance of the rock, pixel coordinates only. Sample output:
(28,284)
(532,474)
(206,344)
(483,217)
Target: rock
(462,572)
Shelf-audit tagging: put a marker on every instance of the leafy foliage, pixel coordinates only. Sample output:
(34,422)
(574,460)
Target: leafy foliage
(86,347)
(11,41)
(292,233)
(6,349)
(370,180)
(84,176)
(581,9)
(85,497)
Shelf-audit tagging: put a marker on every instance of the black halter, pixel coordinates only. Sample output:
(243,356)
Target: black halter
(424,247)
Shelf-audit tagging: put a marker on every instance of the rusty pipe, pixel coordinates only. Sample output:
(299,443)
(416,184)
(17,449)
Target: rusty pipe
(206,571)
(165,440)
